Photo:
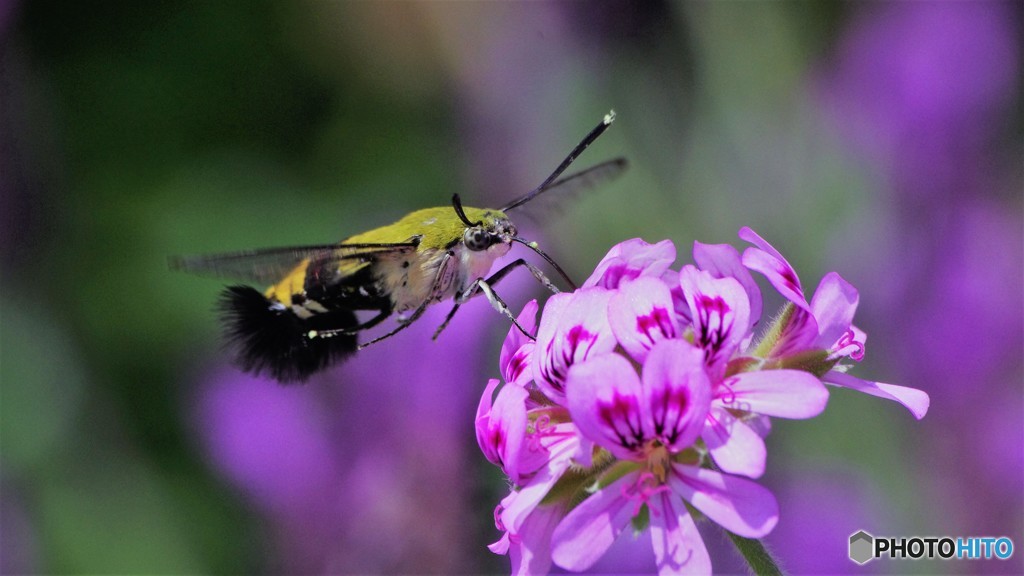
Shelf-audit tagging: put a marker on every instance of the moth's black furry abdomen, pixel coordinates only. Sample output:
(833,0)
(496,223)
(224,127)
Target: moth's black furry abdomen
(275,341)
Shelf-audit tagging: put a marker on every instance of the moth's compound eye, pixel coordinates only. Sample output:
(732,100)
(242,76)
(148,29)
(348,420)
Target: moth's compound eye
(477,239)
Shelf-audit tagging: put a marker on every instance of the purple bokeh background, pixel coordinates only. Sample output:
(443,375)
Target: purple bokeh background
(921,92)
(358,478)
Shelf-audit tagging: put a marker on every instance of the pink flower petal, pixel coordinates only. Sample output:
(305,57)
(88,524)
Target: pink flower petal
(679,306)
(678,547)
(500,546)
(641,314)
(739,505)
(723,261)
(859,335)
(573,328)
(518,456)
(721,314)
(530,548)
(520,504)
(747,234)
(678,393)
(509,414)
(917,401)
(782,393)
(485,437)
(519,370)
(515,338)
(486,399)
(584,454)
(632,259)
(768,261)
(608,405)
(834,304)
(516,350)
(735,447)
(583,536)
(550,319)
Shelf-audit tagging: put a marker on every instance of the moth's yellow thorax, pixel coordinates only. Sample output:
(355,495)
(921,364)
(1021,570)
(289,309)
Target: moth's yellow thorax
(412,277)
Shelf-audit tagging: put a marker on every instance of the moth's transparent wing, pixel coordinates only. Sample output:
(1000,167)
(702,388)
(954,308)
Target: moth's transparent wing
(269,265)
(589,179)
(544,202)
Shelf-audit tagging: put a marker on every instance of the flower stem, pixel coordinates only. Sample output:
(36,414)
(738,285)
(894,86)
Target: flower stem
(756,555)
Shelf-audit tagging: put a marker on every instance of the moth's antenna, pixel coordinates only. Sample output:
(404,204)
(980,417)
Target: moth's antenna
(533,246)
(587,141)
(457,203)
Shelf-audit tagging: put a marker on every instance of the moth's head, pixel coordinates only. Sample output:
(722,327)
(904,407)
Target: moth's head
(484,228)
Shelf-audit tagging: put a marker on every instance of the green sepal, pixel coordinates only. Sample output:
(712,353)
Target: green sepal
(614,472)
(756,555)
(571,487)
(816,362)
(771,336)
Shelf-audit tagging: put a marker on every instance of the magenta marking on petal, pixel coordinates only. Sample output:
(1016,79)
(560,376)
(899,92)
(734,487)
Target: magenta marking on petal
(549,371)
(516,365)
(575,338)
(789,276)
(622,417)
(577,334)
(715,304)
(614,276)
(658,320)
(714,329)
(495,441)
(666,401)
(710,308)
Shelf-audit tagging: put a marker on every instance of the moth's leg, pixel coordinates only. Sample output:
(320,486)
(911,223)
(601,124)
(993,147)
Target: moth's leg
(537,274)
(486,286)
(402,326)
(435,286)
(380,317)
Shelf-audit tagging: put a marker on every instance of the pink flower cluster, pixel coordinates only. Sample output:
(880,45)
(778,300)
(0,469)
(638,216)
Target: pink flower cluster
(646,394)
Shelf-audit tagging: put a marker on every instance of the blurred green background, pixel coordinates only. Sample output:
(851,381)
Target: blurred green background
(879,140)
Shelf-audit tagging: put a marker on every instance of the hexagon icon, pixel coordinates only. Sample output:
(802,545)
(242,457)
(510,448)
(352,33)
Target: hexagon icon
(861,544)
